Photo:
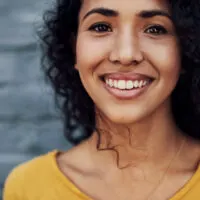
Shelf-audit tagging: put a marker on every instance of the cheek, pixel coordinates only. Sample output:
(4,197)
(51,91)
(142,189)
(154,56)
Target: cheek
(90,51)
(171,63)
(165,57)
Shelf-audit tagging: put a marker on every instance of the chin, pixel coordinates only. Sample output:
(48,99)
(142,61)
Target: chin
(123,118)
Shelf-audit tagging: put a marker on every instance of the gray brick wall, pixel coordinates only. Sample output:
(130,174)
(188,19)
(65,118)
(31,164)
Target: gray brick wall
(29,123)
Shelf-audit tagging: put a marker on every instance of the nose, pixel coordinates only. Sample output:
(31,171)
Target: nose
(126,49)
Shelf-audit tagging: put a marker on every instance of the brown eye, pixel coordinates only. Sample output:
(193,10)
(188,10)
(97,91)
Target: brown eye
(100,28)
(156,30)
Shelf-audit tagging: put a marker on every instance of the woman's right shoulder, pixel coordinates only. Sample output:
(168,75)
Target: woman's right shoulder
(26,175)
(31,167)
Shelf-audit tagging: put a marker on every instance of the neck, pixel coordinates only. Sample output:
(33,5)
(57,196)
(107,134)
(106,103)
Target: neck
(150,140)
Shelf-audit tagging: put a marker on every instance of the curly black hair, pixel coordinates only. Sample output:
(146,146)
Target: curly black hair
(58,36)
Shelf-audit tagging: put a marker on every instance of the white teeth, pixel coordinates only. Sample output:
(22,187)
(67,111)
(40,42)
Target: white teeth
(136,83)
(122,84)
(140,84)
(129,85)
(110,82)
(115,83)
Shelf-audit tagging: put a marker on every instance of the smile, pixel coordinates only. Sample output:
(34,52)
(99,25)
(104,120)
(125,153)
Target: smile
(126,89)
(126,84)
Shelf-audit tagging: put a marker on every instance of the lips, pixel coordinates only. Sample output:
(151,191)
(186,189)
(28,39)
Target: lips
(126,94)
(127,76)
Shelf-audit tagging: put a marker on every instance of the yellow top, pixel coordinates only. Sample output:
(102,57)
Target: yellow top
(42,179)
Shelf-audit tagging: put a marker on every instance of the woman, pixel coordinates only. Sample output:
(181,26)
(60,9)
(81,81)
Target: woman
(128,75)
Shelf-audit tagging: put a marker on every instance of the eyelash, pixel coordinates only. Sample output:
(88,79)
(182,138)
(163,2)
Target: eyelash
(94,27)
(159,30)
(103,27)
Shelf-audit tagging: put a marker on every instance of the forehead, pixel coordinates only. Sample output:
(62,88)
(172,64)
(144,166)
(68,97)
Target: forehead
(125,6)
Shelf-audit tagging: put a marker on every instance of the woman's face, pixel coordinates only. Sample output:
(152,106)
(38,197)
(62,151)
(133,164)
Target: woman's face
(127,56)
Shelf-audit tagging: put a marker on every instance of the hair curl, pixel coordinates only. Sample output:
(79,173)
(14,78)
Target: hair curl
(58,35)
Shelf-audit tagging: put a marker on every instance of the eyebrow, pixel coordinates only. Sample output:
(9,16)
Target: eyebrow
(103,11)
(153,13)
(114,13)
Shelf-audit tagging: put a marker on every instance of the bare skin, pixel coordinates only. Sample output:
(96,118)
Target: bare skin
(130,43)
(100,179)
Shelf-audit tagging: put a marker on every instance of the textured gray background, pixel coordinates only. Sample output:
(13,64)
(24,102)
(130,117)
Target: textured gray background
(29,123)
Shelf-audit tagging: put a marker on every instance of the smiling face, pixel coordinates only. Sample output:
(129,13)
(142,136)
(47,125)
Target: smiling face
(128,57)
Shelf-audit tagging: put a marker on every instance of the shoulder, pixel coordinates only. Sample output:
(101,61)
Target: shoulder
(27,170)
(26,176)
